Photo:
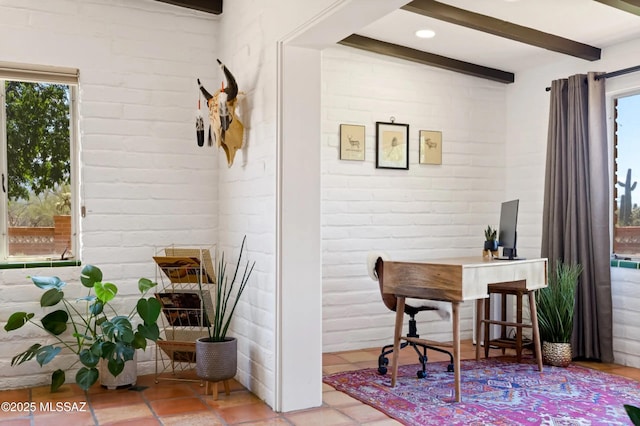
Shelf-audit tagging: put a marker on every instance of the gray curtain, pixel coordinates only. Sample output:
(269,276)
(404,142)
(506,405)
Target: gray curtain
(576,206)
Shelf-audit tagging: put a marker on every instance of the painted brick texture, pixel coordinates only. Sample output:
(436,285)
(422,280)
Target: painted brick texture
(425,212)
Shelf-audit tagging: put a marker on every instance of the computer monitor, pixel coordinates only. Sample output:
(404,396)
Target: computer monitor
(507,232)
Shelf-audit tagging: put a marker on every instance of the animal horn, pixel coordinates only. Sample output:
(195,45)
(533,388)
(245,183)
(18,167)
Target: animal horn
(232,87)
(204,91)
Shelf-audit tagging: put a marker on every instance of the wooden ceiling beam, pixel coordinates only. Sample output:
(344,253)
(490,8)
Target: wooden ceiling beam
(631,6)
(210,6)
(488,24)
(425,58)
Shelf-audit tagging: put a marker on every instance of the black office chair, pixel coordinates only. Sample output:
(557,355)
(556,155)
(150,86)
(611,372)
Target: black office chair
(390,302)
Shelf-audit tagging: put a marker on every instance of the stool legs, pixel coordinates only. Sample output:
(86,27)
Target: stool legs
(504,342)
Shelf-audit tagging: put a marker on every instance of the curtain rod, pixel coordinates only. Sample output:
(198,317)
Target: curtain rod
(613,74)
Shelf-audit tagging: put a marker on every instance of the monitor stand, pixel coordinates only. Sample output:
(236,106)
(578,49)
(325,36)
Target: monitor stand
(509,254)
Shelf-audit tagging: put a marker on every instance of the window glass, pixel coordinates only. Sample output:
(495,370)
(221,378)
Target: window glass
(626,175)
(37,170)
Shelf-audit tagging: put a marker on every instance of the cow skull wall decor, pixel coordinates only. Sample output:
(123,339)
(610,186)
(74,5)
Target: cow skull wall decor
(226,129)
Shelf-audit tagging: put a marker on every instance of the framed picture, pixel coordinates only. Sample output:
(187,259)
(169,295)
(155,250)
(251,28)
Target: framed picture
(392,146)
(352,142)
(430,147)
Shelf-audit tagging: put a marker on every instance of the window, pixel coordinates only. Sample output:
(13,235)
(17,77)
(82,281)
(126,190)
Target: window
(37,163)
(626,169)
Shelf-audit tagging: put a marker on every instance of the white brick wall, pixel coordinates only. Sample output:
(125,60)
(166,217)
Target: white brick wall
(146,184)
(424,212)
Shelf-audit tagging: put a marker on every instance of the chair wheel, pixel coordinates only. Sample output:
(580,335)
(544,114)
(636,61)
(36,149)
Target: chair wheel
(382,361)
(382,370)
(421,374)
(450,368)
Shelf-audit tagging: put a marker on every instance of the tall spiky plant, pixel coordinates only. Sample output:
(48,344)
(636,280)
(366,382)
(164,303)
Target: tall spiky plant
(555,303)
(224,307)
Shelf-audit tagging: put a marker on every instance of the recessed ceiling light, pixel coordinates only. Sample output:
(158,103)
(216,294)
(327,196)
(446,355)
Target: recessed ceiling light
(425,33)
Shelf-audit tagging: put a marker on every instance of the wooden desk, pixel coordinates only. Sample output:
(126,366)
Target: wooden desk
(454,280)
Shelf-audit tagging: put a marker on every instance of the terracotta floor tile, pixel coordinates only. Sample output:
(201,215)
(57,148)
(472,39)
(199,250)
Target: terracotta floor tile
(246,413)
(146,421)
(193,419)
(15,422)
(118,414)
(319,417)
(115,398)
(169,407)
(338,399)
(243,397)
(276,421)
(363,413)
(68,419)
(332,359)
(167,391)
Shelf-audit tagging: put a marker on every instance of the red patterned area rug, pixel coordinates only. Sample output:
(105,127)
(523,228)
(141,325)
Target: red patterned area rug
(495,392)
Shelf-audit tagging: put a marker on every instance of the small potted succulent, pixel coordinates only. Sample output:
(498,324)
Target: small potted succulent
(98,334)
(491,239)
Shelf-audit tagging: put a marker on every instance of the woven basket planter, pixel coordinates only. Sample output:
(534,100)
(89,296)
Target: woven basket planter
(557,354)
(216,361)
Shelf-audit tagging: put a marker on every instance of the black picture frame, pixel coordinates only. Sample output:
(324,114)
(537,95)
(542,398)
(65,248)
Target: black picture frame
(392,145)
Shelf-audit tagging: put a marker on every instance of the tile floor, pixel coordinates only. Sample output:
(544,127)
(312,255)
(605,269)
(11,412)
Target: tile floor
(185,403)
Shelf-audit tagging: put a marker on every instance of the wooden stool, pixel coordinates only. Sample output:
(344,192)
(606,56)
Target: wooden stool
(517,289)
(227,388)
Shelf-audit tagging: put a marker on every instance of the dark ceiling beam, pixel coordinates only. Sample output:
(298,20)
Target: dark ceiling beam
(425,58)
(631,6)
(488,24)
(210,6)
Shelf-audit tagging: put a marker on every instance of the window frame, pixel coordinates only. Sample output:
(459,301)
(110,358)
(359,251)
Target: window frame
(42,74)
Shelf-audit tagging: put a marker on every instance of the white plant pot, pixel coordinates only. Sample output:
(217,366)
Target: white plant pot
(127,377)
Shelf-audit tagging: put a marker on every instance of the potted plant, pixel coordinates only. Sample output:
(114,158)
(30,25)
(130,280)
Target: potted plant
(491,239)
(555,308)
(216,354)
(634,413)
(98,332)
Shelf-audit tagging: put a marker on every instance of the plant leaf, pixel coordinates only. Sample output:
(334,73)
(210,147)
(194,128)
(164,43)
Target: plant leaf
(115,366)
(88,358)
(634,414)
(86,377)
(57,380)
(149,309)
(118,328)
(96,308)
(17,320)
(55,322)
(46,354)
(105,291)
(51,297)
(47,283)
(139,341)
(149,331)
(145,284)
(90,275)
(26,355)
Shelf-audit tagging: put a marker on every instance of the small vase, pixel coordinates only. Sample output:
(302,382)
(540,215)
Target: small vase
(216,361)
(491,245)
(557,354)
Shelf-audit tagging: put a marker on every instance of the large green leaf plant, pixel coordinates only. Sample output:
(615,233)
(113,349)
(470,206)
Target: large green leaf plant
(96,332)
(555,303)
